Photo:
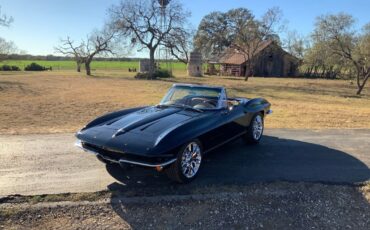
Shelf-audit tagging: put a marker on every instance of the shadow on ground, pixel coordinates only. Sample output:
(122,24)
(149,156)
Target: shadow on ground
(236,164)
(274,159)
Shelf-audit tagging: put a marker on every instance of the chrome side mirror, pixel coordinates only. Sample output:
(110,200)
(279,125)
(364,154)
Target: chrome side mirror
(230,107)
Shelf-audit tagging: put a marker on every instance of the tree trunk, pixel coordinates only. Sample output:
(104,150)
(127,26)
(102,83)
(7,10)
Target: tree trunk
(310,71)
(323,72)
(78,67)
(250,72)
(88,69)
(246,76)
(152,63)
(361,86)
(315,73)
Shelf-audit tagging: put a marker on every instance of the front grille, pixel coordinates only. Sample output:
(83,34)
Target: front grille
(105,153)
(127,156)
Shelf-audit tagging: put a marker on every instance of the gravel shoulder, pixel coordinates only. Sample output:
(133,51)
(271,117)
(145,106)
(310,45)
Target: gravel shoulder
(260,206)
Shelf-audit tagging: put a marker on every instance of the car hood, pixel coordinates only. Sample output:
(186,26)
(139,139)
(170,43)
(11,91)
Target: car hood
(140,128)
(150,120)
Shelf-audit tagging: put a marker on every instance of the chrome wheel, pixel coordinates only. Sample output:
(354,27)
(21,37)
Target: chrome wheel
(257,127)
(191,159)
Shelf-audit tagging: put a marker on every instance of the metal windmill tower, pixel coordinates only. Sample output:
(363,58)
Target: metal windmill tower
(163,52)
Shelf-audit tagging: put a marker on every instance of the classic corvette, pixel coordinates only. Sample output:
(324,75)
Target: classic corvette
(190,121)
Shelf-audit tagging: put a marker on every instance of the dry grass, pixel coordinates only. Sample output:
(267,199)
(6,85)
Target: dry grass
(64,101)
(365,190)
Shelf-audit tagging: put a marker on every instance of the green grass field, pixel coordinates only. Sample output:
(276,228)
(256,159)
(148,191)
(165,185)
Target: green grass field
(69,65)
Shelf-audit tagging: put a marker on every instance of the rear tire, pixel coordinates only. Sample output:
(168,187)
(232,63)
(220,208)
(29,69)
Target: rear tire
(187,165)
(255,130)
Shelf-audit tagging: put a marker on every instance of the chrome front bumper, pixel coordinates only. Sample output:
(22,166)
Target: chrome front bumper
(124,161)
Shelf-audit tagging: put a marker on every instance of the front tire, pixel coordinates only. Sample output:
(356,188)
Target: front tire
(255,130)
(187,165)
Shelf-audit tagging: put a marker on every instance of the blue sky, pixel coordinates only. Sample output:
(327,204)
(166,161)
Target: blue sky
(39,24)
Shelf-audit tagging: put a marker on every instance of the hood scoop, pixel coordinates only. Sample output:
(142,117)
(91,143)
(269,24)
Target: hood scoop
(119,132)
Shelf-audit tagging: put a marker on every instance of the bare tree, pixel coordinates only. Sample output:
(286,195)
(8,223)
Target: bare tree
(253,33)
(296,44)
(97,44)
(338,34)
(139,21)
(6,48)
(179,43)
(4,19)
(68,48)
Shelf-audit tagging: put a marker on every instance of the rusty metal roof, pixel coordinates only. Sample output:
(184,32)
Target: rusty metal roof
(232,56)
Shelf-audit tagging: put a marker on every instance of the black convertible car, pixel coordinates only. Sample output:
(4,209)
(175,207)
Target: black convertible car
(190,121)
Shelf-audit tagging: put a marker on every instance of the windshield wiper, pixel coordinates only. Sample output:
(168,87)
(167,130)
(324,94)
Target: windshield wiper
(186,107)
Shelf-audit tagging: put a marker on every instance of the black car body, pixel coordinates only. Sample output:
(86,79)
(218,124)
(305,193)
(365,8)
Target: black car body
(152,136)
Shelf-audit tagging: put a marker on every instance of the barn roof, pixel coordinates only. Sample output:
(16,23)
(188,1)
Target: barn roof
(232,56)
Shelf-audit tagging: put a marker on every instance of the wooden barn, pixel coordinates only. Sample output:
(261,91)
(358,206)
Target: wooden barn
(270,60)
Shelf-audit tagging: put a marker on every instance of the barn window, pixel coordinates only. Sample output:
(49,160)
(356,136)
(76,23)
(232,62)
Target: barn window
(271,57)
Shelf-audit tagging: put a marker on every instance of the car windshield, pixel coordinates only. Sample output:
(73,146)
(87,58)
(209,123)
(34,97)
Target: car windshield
(196,97)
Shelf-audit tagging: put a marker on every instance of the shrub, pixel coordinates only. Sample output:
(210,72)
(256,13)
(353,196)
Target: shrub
(15,68)
(35,67)
(6,68)
(142,76)
(156,74)
(163,74)
(9,68)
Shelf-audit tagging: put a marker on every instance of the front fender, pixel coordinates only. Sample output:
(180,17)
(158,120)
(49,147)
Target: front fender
(257,105)
(175,137)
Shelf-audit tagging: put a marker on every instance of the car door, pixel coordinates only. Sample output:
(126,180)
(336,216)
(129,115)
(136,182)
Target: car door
(229,120)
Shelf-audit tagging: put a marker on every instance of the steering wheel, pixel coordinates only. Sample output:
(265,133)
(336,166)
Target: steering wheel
(205,100)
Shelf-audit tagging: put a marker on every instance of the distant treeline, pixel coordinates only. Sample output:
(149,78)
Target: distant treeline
(61,58)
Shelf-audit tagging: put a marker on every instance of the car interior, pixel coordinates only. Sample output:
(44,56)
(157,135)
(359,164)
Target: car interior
(206,102)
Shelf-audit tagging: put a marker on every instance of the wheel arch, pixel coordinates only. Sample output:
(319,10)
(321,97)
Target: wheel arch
(257,105)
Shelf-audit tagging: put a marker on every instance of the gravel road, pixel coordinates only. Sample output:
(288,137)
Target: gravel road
(50,164)
(260,206)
